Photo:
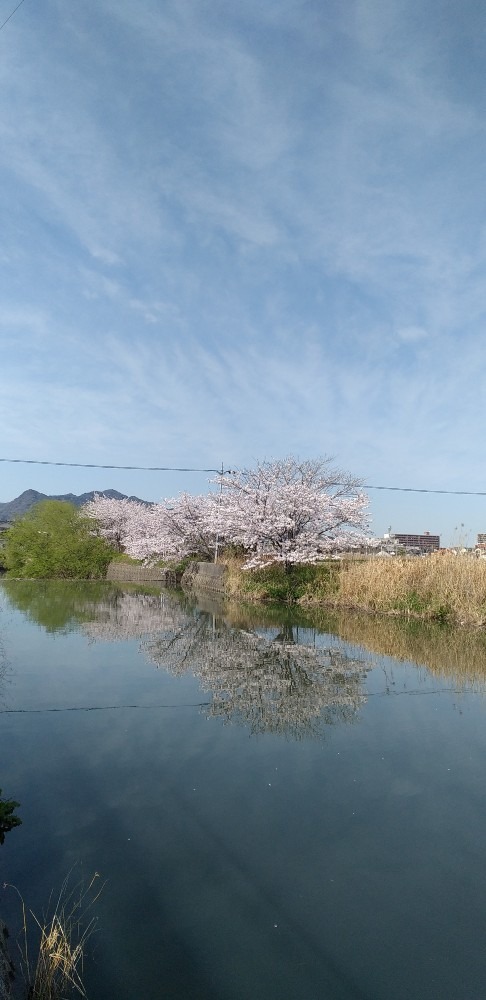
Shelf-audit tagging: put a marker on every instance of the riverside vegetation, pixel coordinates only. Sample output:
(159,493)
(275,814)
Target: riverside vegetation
(54,540)
(53,946)
(440,587)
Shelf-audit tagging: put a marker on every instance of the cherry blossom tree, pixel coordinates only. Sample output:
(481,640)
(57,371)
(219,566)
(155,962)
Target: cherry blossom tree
(191,523)
(291,511)
(286,511)
(115,517)
(172,529)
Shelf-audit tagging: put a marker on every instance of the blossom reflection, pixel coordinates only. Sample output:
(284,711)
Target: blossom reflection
(271,682)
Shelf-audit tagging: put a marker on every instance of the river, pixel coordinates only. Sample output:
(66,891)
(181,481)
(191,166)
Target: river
(278,808)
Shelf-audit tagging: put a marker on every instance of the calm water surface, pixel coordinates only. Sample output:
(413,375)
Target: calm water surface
(279,811)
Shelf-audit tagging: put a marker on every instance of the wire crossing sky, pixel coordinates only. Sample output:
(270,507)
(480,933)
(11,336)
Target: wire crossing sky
(222,470)
(7,19)
(245,230)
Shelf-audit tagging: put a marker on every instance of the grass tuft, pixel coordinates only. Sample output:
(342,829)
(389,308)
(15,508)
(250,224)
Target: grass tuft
(61,937)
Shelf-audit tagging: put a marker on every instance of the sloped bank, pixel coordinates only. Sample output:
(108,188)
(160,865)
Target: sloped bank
(126,572)
(440,587)
(205,576)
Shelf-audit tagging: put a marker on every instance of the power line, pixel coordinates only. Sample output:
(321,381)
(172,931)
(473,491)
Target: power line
(91,465)
(167,468)
(96,708)
(414,489)
(11,15)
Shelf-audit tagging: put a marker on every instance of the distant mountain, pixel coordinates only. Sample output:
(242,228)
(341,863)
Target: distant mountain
(27,499)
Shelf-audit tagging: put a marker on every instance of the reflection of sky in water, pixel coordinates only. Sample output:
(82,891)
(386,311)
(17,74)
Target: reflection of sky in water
(257,867)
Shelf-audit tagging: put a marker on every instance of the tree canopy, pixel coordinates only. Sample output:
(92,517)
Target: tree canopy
(287,511)
(55,540)
(291,511)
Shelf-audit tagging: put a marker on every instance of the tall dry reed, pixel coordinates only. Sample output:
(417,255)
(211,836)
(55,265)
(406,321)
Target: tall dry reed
(54,966)
(442,586)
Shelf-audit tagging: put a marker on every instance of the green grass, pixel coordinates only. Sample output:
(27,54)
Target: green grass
(123,558)
(299,583)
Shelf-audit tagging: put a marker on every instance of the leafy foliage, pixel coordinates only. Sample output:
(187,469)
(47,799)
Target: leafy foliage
(56,540)
(7,818)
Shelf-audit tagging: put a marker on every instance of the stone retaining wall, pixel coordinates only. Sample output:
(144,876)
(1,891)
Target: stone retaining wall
(205,576)
(128,573)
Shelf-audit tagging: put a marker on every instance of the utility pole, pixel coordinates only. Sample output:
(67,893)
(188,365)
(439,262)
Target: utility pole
(220,496)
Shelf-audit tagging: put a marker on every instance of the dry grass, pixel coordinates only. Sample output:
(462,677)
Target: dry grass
(439,587)
(234,572)
(442,587)
(62,934)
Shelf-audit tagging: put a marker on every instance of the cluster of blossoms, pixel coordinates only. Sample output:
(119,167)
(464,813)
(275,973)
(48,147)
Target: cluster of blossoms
(282,511)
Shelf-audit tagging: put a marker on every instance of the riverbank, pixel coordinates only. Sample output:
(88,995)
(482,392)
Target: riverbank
(440,587)
(444,588)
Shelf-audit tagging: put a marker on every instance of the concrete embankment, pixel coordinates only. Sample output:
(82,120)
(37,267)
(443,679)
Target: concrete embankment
(197,575)
(205,576)
(120,572)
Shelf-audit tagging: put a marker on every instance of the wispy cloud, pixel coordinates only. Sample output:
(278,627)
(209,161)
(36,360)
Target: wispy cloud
(244,231)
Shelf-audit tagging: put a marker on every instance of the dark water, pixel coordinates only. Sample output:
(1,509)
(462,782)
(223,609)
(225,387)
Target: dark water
(278,811)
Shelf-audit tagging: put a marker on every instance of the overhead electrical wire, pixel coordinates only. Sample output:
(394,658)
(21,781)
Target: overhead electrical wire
(167,468)
(91,465)
(416,489)
(198,704)
(11,15)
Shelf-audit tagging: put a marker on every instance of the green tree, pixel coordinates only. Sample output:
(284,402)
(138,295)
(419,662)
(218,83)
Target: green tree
(55,540)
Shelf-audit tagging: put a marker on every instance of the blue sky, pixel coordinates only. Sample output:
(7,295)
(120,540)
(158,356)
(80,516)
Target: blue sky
(238,231)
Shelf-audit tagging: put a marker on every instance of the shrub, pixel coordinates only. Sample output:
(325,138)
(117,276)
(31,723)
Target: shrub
(55,540)
(300,582)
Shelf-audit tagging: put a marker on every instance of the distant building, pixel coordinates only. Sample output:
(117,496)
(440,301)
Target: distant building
(416,543)
(480,547)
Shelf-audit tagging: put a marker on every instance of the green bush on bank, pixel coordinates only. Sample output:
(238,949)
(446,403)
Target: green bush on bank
(301,582)
(54,540)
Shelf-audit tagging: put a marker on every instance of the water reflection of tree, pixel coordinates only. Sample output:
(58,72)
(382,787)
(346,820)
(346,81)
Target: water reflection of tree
(269,681)
(58,605)
(5,670)
(264,677)
(133,615)
(271,684)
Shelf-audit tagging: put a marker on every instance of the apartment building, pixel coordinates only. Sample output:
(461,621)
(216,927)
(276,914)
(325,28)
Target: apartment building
(416,543)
